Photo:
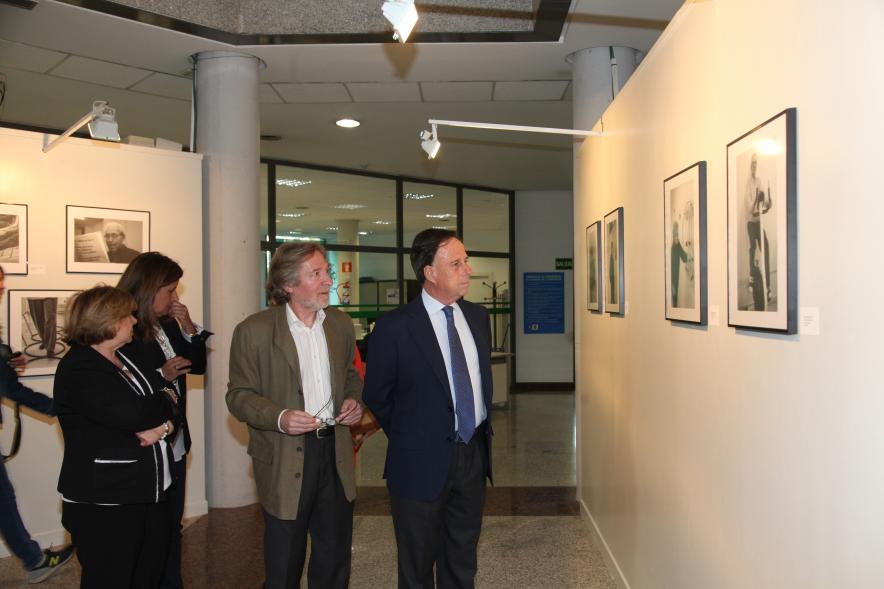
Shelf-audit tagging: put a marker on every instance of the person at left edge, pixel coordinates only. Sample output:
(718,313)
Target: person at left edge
(168,341)
(115,417)
(39,564)
(293,382)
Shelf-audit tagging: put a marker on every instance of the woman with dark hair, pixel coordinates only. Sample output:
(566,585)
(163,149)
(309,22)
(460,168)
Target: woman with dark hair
(115,417)
(168,341)
(39,564)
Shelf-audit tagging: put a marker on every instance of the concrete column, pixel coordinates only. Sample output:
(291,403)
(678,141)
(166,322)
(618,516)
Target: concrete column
(347,283)
(227,133)
(599,73)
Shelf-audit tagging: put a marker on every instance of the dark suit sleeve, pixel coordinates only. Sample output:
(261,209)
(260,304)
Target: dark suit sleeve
(12,389)
(381,373)
(194,350)
(97,396)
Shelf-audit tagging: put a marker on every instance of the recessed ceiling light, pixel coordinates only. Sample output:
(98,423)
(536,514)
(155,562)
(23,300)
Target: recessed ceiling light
(349,207)
(362,232)
(417,196)
(292,215)
(332,228)
(347,123)
(441,216)
(382,222)
(292,182)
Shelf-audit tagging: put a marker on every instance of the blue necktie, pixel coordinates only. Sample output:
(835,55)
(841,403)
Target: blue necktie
(463,388)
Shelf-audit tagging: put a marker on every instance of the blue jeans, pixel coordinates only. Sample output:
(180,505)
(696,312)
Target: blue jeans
(12,528)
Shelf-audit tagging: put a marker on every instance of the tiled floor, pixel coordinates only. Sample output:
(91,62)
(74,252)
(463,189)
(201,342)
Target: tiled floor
(532,534)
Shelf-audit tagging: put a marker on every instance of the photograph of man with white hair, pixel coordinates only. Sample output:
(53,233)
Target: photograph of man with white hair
(115,240)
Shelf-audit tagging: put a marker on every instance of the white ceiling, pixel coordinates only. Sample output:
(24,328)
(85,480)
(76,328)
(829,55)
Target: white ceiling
(58,58)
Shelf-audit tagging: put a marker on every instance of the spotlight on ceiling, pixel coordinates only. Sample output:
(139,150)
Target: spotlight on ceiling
(102,125)
(347,123)
(402,15)
(430,143)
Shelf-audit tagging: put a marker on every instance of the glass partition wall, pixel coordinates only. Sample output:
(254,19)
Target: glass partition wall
(367,223)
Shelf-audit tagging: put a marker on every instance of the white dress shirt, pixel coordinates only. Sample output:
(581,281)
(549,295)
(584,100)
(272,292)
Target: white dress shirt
(440,327)
(313,360)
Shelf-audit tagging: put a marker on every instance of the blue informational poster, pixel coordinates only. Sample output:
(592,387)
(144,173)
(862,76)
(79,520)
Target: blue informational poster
(544,302)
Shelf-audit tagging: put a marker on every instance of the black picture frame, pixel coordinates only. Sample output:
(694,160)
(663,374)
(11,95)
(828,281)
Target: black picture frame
(762,231)
(594,267)
(684,245)
(88,250)
(14,238)
(615,299)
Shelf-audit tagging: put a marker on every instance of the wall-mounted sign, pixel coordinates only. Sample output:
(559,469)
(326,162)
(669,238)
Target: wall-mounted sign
(346,266)
(564,263)
(544,302)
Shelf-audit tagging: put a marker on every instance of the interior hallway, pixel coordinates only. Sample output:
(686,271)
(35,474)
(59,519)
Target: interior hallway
(532,534)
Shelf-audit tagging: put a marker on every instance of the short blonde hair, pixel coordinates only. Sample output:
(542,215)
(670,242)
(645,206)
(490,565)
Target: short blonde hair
(92,315)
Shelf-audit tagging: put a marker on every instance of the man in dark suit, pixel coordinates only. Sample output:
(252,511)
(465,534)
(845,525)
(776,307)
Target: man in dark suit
(292,380)
(428,384)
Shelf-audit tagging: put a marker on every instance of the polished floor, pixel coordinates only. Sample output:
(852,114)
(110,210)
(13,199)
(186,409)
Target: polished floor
(532,534)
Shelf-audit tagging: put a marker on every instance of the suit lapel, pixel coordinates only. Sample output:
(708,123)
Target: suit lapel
(425,336)
(283,341)
(482,346)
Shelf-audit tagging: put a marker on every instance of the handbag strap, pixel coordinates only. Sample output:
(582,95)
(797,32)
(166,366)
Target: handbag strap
(16,436)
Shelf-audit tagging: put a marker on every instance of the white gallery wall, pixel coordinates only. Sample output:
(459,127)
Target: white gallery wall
(95,174)
(708,456)
(542,222)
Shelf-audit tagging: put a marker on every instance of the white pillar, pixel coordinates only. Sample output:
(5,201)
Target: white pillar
(348,282)
(226,110)
(599,74)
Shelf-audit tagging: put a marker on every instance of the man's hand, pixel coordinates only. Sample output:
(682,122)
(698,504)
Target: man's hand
(295,423)
(351,412)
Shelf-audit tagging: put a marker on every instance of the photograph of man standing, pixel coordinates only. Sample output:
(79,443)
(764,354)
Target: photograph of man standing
(428,383)
(292,380)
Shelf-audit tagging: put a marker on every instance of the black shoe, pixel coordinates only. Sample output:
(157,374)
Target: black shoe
(52,561)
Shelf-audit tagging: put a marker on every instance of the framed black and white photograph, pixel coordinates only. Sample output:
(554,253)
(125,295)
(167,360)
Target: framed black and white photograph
(684,239)
(35,322)
(104,241)
(761,226)
(14,238)
(594,267)
(613,266)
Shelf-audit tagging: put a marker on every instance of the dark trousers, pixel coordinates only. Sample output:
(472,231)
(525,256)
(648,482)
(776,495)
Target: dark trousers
(324,513)
(444,532)
(12,528)
(119,545)
(175,499)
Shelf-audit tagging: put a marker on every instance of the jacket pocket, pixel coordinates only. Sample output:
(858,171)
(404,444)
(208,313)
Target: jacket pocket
(115,470)
(260,448)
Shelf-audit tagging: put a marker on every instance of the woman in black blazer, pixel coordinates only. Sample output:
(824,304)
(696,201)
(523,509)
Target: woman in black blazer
(115,417)
(168,342)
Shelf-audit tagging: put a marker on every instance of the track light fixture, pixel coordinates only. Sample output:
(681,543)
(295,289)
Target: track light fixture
(430,139)
(102,125)
(402,15)
(430,143)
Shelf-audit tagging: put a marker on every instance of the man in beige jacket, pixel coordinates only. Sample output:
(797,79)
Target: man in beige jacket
(292,380)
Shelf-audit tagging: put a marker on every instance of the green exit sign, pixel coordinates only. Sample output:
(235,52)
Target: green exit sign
(564,263)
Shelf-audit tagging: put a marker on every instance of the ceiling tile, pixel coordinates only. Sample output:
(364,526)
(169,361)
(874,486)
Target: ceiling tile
(165,85)
(320,93)
(99,72)
(395,92)
(267,95)
(533,90)
(456,91)
(25,57)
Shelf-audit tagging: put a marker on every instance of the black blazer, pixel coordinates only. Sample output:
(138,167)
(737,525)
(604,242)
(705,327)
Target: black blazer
(407,389)
(150,354)
(100,412)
